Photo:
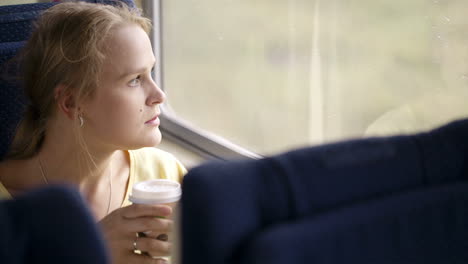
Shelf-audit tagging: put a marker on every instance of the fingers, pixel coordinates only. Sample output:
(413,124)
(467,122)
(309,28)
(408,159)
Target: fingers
(145,259)
(163,237)
(153,246)
(150,225)
(120,228)
(142,210)
(159,236)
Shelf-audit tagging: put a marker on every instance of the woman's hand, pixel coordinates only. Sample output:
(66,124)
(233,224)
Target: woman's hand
(121,226)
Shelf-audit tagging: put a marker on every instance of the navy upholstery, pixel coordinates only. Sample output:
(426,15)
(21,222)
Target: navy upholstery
(9,9)
(12,100)
(425,226)
(130,3)
(227,204)
(16,23)
(50,225)
(9,49)
(16,20)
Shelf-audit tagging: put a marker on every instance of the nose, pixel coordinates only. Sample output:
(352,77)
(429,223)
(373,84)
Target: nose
(156,95)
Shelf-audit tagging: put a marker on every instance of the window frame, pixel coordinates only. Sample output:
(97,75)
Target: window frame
(173,128)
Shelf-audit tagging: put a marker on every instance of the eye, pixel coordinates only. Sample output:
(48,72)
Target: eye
(135,82)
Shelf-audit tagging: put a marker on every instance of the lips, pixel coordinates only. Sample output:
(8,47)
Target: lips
(153,121)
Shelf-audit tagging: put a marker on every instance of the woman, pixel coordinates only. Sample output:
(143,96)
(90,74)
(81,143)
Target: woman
(92,117)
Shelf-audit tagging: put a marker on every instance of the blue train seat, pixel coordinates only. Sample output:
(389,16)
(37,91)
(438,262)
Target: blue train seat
(16,23)
(12,101)
(251,211)
(51,225)
(424,226)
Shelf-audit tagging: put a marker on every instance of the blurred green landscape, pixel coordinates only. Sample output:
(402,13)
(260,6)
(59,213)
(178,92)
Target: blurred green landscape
(268,74)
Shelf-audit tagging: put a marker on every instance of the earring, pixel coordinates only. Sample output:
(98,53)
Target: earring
(81,120)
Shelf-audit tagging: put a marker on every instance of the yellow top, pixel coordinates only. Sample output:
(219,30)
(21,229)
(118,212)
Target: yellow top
(145,164)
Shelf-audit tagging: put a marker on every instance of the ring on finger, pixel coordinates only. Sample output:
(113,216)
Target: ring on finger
(135,243)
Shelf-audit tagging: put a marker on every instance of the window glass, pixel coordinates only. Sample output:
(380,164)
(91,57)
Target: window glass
(18,2)
(139,3)
(274,75)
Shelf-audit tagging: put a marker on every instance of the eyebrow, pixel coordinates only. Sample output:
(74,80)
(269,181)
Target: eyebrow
(135,71)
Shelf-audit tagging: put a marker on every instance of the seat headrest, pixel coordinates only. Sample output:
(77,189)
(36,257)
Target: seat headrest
(12,100)
(16,20)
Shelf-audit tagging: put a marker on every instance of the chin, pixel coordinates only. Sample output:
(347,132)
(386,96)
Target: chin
(154,140)
(143,141)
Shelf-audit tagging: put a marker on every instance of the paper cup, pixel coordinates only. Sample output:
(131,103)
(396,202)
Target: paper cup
(160,191)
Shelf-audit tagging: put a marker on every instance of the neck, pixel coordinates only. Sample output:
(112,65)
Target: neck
(91,169)
(91,173)
(62,162)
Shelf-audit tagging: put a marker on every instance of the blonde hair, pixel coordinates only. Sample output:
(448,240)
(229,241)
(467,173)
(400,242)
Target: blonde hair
(66,48)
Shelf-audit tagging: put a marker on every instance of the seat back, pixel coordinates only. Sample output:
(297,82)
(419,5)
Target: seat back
(16,23)
(12,100)
(419,227)
(226,205)
(16,20)
(50,225)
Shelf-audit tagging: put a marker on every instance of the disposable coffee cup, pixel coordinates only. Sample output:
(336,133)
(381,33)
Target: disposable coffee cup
(159,191)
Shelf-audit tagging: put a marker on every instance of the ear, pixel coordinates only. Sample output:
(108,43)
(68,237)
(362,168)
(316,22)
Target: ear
(65,101)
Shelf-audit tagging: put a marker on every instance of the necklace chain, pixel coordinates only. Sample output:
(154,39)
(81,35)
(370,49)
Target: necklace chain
(42,171)
(44,177)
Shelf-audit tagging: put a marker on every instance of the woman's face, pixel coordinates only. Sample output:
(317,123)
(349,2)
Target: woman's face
(123,112)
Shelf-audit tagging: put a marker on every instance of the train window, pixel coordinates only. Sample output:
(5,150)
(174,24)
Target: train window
(17,2)
(274,75)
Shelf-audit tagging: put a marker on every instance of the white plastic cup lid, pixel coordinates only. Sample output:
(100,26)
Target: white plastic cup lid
(157,191)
